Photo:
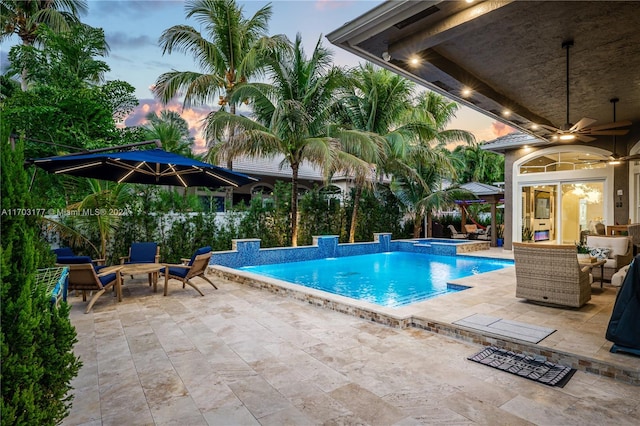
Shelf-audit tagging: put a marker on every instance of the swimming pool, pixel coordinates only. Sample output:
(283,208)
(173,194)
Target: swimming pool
(390,279)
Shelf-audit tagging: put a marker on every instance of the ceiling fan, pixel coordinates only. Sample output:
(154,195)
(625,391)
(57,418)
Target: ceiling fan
(615,158)
(583,129)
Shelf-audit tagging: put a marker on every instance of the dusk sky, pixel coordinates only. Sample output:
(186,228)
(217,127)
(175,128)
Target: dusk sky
(132,29)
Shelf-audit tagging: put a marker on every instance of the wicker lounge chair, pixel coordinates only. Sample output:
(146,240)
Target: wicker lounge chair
(620,254)
(196,267)
(455,234)
(83,277)
(551,274)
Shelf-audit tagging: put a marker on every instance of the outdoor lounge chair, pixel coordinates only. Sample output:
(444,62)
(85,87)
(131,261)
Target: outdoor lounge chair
(83,277)
(550,274)
(620,253)
(66,256)
(485,235)
(142,253)
(196,267)
(456,234)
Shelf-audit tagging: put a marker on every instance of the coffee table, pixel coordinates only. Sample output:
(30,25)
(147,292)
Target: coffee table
(153,269)
(591,265)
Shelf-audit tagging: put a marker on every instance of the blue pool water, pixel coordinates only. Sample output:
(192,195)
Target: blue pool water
(388,279)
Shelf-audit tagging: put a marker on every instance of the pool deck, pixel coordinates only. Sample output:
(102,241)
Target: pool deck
(242,355)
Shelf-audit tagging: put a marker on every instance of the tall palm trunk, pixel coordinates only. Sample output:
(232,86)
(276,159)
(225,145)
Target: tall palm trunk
(232,110)
(24,72)
(417,225)
(354,214)
(294,204)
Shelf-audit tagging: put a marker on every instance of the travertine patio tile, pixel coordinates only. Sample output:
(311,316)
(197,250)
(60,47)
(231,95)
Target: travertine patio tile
(244,356)
(236,415)
(366,405)
(288,416)
(260,398)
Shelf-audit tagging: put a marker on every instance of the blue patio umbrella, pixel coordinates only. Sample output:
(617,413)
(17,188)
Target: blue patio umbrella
(154,166)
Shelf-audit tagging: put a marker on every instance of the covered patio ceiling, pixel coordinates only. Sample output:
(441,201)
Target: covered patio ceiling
(509,55)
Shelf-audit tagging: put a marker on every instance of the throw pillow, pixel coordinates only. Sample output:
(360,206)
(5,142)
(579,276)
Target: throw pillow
(600,253)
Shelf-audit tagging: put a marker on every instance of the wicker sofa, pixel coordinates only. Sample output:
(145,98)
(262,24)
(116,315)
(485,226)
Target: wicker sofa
(620,255)
(551,274)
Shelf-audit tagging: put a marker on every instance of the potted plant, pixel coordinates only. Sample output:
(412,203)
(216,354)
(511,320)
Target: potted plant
(500,235)
(527,234)
(583,252)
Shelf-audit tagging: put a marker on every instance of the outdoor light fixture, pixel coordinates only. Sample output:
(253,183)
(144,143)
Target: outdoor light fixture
(386,56)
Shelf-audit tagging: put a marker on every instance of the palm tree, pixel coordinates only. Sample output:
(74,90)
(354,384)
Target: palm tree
(291,115)
(378,101)
(103,197)
(420,187)
(66,59)
(372,100)
(420,165)
(479,165)
(229,52)
(23,17)
(171,130)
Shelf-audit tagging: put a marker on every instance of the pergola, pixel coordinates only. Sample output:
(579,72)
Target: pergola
(487,194)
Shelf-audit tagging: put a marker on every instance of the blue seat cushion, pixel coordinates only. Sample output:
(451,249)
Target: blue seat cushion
(68,260)
(63,251)
(178,272)
(201,250)
(143,253)
(107,279)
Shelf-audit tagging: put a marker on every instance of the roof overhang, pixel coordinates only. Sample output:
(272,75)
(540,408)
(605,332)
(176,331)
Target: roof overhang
(509,55)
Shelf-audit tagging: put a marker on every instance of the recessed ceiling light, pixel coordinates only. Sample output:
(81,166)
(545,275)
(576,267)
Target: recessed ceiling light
(466,92)
(534,126)
(506,113)
(470,1)
(414,60)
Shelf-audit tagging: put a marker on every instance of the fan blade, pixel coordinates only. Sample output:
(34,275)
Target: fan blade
(606,126)
(584,122)
(550,128)
(584,138)
(606,132)
(631,157)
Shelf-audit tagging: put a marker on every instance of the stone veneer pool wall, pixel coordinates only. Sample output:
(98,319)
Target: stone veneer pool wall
(247,252)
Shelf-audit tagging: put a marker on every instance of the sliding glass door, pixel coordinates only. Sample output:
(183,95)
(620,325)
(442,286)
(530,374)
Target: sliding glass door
(560,212)
(582,208)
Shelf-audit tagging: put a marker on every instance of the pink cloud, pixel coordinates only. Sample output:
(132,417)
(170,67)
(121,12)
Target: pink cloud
(501,129)
(193,116)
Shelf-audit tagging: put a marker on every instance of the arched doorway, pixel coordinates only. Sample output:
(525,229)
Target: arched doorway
(560,191)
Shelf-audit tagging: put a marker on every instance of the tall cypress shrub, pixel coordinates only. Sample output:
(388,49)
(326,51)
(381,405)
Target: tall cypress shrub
(36,338)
